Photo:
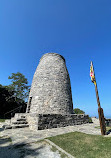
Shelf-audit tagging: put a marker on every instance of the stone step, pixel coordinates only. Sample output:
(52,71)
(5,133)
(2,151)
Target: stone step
(13,119)
(8,121)
(22,119)
(7,127)
(20,122)
(20,126)
(20,115)
(15,126)
(17,119)
(23,116)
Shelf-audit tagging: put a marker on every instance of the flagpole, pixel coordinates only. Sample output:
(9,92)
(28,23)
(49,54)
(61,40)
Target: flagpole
(97,95)
(100,110)
(100,113)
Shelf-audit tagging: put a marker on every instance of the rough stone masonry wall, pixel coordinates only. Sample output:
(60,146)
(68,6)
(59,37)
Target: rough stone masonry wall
(51,90)
(108,122)
(47,121)
(32,119)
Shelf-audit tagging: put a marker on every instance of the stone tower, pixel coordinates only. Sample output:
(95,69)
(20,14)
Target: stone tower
(51,89)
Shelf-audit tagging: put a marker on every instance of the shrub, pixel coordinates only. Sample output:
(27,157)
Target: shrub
(90,120)
(78,111)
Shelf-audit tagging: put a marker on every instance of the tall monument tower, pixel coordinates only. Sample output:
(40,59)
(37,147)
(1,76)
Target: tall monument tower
(51,89)
(50,99)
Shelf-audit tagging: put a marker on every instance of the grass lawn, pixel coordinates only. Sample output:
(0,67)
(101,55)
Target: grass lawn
(83,145)
(2,120)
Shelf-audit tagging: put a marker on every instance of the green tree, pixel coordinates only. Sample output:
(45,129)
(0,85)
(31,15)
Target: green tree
(7,101)
(19,86)
(5,94)
(78,111)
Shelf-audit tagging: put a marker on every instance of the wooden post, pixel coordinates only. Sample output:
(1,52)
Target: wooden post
(100,113)
(100,110)
(102,121)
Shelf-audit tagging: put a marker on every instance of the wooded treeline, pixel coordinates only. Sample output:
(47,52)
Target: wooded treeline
(14,96)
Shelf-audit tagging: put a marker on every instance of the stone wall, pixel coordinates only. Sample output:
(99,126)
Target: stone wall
(108,122)
(33,121)
(47,121)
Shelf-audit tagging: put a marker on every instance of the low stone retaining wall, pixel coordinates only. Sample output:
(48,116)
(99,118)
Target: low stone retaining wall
(47,121)
(108,122)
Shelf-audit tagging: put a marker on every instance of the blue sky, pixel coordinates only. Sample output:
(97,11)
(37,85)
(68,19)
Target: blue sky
(78,30)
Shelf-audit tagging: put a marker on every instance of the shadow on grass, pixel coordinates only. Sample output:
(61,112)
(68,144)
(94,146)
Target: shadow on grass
(18,150)
(1,129)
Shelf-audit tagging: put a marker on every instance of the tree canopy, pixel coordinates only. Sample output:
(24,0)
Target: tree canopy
(19,86)
(78,111)
(14,95)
